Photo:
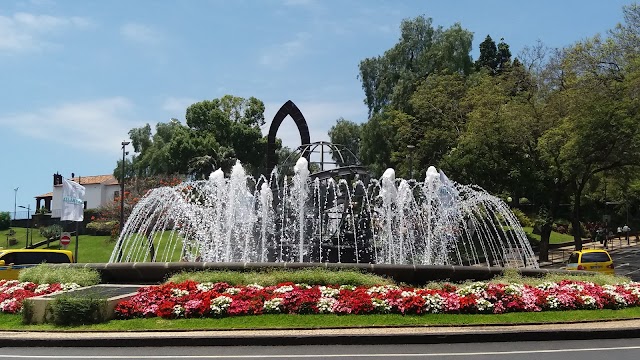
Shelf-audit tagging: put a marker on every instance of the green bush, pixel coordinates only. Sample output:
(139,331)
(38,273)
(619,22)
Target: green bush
(47,274)
(66,310)
(5,220)
(314,276)
(51,232)
(100,227)
(524,220)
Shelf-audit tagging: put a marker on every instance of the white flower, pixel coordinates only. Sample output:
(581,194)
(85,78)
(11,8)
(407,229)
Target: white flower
(433,303)
(255,286)
(70,286)
(325,305)
(553,302)
(179,292)
(408,293)
(347,287)
(220,304)
(589,301)
(232,291)
(204,287)
(178,310)
(273,305)
(483,304)
(283,289)
(41,288)
(380,305)
(328,292)
(381,289)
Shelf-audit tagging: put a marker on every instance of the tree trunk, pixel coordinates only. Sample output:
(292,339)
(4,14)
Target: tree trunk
(575,222)
(545,234)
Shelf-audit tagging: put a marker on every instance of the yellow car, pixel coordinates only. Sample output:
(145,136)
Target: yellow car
(13,260)
(591,260)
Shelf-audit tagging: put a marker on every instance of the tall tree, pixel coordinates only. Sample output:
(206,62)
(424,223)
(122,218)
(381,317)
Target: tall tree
(347,134)
(390,79)
(494,58)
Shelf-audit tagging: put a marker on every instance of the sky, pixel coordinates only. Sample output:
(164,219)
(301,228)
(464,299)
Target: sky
(77,75)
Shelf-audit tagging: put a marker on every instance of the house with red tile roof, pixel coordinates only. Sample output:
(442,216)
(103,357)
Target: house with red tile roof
(99,190)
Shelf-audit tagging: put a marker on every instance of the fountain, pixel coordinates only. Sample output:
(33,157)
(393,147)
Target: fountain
(324,217)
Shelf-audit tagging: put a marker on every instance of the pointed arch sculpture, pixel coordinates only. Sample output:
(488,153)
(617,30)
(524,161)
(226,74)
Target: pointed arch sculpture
(288,108)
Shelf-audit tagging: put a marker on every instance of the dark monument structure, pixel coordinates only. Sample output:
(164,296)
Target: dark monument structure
(335,162)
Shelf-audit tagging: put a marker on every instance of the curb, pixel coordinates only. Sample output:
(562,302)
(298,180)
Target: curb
(355,336)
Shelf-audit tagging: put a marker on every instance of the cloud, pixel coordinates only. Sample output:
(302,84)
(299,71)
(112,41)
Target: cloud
(320,117)
(177,106)
(25,31)
(96,126)
(139,33)
(280,55)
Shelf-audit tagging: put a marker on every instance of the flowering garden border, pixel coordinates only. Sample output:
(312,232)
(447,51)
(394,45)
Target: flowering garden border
(13,292)
(190,299)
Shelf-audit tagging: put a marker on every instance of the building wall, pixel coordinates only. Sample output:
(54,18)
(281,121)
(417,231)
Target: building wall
(95,195)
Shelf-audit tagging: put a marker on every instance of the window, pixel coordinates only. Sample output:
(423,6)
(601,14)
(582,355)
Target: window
(595,257)
(573,259)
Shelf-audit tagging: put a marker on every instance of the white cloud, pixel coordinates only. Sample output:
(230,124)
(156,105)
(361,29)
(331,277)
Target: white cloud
(278,56)
(320,117)
(25,31)
(140,33)
(98,125)
(177,106)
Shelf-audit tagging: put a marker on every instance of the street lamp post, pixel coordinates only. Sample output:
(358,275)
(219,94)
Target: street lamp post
(124,143)
(28,207)
(410,148)
(15,197)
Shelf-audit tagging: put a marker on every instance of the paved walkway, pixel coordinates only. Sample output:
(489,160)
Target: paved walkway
(350,336)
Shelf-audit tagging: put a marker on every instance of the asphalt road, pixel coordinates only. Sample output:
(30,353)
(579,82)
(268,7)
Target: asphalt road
(619,349)
(627,262)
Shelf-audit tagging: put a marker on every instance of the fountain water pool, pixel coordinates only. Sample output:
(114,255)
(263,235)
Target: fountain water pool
(305,219)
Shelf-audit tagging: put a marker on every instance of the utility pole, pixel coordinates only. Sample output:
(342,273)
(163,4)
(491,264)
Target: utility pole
(124,143)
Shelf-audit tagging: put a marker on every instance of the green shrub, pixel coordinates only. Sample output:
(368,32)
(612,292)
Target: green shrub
(314,276)
(100,227)
(47,274)
(5,220)
(524,220)
(51,232)
(66,310)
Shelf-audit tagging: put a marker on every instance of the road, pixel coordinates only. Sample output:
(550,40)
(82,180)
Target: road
(619,349)
(627,262)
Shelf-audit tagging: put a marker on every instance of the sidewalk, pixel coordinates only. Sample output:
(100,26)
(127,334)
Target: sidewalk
(351,336)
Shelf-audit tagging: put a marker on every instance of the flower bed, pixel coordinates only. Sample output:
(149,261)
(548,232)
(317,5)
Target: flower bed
(13,292)
(193,300)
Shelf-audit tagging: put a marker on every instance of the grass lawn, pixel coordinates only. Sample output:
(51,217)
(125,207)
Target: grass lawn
(318,321)
(555,238)
(90,248)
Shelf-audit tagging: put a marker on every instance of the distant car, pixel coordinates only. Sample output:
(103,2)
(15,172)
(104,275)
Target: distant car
(591,260)
(14,260)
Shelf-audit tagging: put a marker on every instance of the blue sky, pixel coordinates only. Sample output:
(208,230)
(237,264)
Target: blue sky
(77,75)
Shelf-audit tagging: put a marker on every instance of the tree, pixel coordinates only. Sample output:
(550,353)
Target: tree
(598,126)
(376,145)
(217,133)
(390,79)
(493,58)
(347,134)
